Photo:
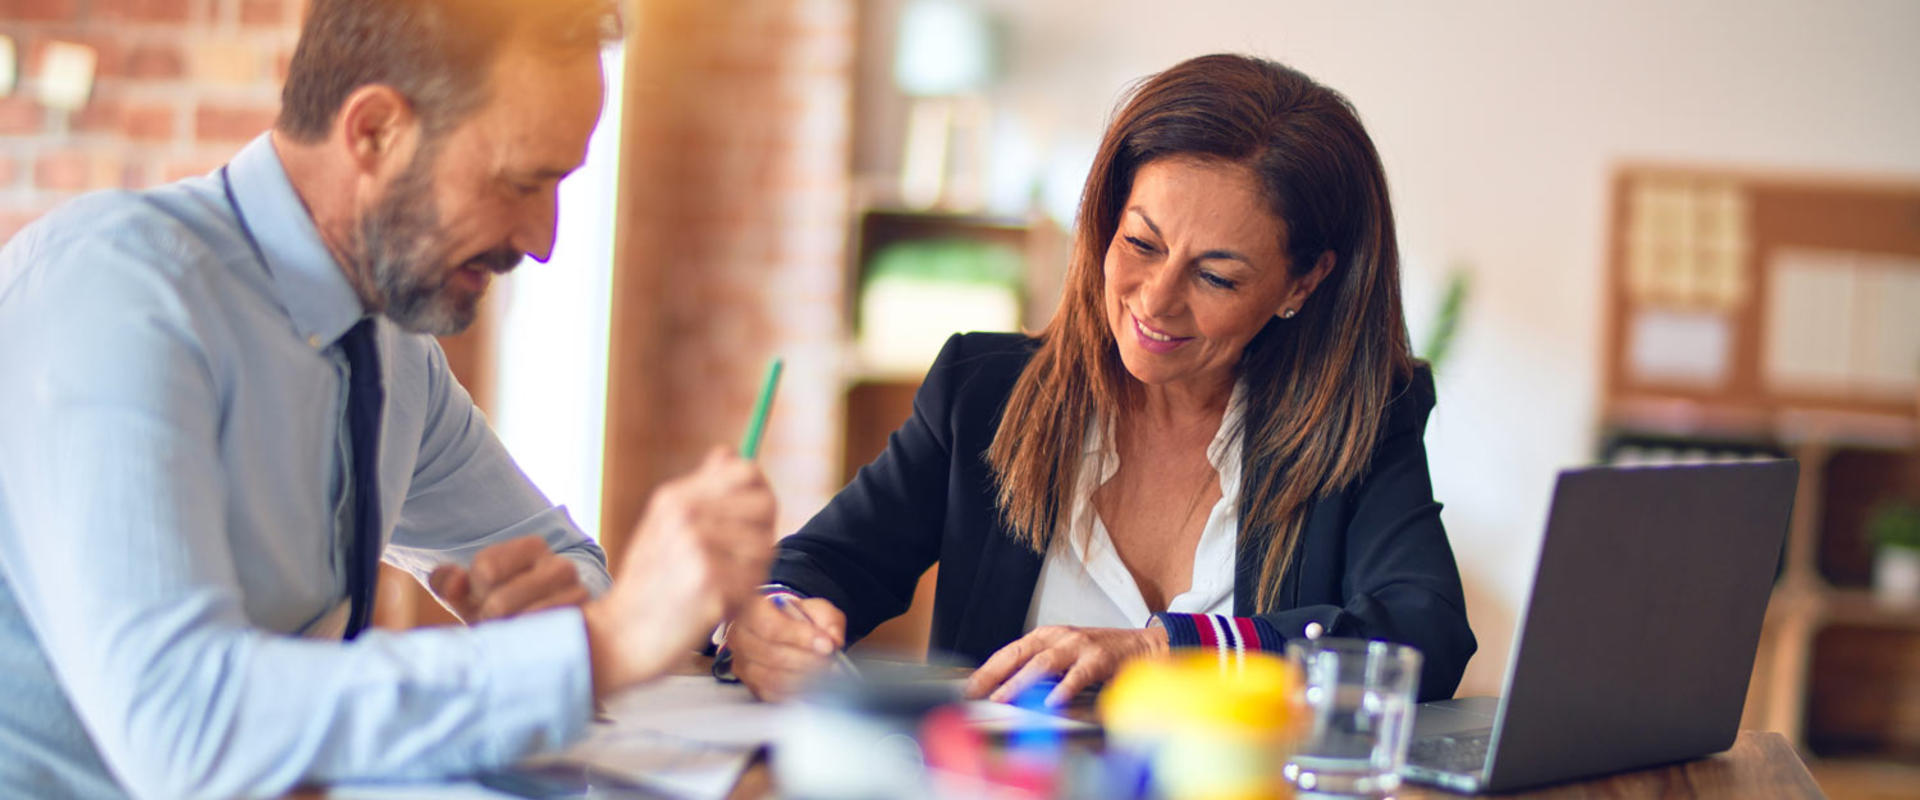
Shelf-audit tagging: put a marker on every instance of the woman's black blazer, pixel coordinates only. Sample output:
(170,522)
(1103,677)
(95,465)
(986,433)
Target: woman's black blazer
(1373,561)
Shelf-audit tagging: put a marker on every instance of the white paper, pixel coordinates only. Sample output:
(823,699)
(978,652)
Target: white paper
(1844,322)
(1886,356)
(688,736)
(700,709)
(671,764)
(1680,347)
(994,717)
(1809,332)
(1687,244)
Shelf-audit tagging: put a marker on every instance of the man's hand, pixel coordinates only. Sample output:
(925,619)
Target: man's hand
(699,554)
(508,579)
(1076,657)
(774,653)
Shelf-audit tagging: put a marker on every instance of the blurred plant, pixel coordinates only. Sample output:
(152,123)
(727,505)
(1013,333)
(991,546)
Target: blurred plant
(1446,322)
(1895,524)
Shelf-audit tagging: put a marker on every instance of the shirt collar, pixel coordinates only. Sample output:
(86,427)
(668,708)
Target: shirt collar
(306,277)
(1224,451)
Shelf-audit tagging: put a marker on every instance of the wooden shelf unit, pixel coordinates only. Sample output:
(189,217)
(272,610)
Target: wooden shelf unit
(1837,671)
(875,402)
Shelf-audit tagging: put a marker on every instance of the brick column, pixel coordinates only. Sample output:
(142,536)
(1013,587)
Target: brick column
(733,222)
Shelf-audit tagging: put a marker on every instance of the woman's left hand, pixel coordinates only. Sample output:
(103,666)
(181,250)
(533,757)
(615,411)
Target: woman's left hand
(1079,657)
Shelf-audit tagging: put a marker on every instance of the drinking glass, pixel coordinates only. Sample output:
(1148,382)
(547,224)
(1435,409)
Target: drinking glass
(1357,697)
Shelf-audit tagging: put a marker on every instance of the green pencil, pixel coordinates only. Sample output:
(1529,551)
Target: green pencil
(750,446)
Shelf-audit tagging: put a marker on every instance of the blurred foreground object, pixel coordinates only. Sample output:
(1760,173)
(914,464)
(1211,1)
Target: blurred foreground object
(850,738)
(1204,727)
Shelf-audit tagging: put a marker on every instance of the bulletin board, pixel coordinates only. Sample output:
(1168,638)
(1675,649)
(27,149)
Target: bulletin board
(1735,298)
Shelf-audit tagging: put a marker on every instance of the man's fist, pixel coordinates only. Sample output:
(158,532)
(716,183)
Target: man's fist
(508,579)
(699,554)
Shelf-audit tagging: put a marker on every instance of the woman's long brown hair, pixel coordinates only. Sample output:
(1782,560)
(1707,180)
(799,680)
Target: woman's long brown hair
(1318,384)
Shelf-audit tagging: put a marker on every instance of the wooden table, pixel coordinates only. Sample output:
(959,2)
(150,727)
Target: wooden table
(1760,766)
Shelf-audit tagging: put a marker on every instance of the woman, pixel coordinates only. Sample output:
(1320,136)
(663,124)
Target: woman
(1215,443)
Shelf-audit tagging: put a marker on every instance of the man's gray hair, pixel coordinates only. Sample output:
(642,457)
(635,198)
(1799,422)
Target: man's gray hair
(435,53)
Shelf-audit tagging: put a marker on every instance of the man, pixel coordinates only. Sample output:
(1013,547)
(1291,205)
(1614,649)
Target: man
(220,404)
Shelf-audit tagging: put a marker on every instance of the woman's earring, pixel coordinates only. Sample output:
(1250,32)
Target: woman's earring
(1287,314)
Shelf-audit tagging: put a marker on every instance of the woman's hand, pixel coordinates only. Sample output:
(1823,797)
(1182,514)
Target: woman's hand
(1080,657)
(774,653)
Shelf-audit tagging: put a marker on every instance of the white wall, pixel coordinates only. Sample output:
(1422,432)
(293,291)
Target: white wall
(1500,123)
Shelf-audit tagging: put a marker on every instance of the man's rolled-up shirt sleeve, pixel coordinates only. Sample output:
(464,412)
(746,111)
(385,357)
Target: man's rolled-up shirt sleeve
(120,560)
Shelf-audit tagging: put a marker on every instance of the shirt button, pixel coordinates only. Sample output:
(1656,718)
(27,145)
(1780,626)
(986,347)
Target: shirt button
(313,342)
(1314,630)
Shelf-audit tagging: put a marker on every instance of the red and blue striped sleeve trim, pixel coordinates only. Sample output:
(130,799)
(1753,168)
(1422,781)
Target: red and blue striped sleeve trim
(1224,634)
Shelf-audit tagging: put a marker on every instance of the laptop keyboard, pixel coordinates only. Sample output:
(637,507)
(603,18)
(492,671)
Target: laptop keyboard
(1458,752)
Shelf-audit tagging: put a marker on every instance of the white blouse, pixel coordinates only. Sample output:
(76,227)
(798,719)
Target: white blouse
(1083,582)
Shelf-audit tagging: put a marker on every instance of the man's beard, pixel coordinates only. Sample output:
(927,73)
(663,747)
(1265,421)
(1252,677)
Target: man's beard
(404,251)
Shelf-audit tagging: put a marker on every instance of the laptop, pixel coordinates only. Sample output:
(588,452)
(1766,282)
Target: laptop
(1637,644)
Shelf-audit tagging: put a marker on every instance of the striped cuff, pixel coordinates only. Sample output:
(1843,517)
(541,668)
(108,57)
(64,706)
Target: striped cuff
(1221,633)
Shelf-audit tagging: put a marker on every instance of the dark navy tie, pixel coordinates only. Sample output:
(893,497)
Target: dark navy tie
(364,400)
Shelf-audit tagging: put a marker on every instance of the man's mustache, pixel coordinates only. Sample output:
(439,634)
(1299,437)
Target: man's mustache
(499,260)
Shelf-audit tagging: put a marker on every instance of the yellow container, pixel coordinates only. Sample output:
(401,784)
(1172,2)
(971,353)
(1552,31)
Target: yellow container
(1210,729)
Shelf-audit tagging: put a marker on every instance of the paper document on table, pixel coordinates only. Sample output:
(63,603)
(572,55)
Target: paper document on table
(698,708)
(994,717)
(671,765)
(682,735)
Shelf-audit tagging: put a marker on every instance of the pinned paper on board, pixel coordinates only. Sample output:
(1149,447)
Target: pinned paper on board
(1687,244)
(1691,348)
(1843,323)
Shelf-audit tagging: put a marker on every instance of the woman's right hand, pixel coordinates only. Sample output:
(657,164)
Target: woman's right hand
(775,652)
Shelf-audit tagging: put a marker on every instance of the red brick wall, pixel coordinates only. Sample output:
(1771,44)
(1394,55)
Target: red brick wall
(180,86)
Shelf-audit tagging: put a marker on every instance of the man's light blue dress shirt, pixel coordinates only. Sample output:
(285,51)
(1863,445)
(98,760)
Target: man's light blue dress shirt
(171,469)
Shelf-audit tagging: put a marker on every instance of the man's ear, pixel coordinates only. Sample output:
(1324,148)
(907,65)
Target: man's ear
(377,127)
(1303,289)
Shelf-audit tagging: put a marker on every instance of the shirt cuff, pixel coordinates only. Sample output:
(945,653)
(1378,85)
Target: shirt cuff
(535,716)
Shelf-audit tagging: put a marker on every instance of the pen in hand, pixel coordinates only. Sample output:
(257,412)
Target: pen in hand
(757,424)
(750,448)
(786,605)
